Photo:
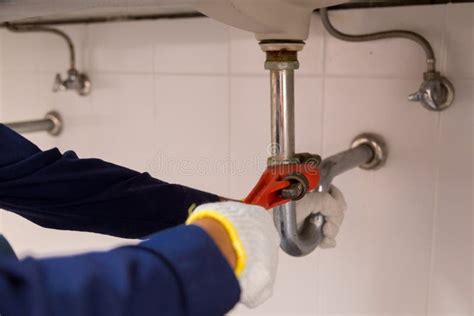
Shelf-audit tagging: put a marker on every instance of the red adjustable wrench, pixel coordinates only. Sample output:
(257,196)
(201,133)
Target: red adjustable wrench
(282,183)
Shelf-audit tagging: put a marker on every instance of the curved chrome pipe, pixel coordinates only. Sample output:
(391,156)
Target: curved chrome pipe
(415,37)
(297,242)
(75,80)
(368,152)
(36,28)
(436,93)
(342,162)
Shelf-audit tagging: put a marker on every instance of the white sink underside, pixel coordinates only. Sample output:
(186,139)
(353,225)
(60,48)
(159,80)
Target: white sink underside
(268,19)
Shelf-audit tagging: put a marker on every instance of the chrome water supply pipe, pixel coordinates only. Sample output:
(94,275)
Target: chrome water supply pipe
(436,92)
(51,123)
(75,80)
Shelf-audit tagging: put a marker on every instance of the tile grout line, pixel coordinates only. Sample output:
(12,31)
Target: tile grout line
(434,221)
(244,75)
(86,63)
(229,110)
(154,78)
(85,57)
(438,136)
(154,127)
(318,269)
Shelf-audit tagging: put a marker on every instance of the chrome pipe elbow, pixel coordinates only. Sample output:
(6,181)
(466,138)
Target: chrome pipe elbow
(368,152)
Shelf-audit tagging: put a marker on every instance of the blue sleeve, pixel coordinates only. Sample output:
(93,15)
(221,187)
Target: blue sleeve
(177,272)
(61,191)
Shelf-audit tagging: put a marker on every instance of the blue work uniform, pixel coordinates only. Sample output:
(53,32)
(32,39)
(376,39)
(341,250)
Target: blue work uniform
(179,271)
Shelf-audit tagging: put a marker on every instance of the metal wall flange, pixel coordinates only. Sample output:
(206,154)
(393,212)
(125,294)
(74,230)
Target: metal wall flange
(378,148)
(52,123)
(57,123)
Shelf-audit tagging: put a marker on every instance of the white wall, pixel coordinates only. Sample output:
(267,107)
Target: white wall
(195,91)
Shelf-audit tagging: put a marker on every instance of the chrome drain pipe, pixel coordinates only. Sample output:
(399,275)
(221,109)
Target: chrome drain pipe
(368,151)
(282,61)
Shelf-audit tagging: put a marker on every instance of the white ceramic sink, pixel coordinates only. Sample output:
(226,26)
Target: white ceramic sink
(268,19)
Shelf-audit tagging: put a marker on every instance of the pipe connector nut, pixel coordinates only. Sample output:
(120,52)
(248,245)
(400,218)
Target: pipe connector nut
(282,65)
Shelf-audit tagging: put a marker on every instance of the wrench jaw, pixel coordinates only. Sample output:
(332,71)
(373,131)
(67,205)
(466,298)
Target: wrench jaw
(280,186)
(285,182)
(300,182)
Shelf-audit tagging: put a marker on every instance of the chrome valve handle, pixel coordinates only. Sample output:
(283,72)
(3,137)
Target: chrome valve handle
(74,81)
(436,92)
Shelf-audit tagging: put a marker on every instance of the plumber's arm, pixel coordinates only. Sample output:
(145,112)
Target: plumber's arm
(180,271)
(62,191)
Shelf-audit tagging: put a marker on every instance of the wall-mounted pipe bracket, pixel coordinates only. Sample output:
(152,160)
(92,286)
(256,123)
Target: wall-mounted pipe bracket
(52,123)
(436,93)
(75,80)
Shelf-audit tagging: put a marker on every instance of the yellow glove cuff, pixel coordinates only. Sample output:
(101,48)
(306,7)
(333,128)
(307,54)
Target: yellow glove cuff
(231,232)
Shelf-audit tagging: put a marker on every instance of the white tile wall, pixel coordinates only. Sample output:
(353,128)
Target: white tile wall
(187,100)
(191,136)
(451,266)
(123,110)
(389,221)
(199,46)
(249,130)
(123,47)
(18,51)
(460,40)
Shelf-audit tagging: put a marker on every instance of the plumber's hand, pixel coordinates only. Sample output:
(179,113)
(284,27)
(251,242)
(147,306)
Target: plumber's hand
(332,205)
(255,242)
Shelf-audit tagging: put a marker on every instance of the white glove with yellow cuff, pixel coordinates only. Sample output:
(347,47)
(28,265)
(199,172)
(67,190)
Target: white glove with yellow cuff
(256,244)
